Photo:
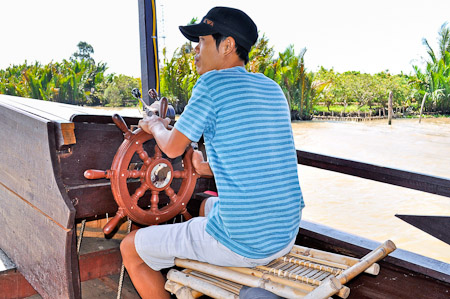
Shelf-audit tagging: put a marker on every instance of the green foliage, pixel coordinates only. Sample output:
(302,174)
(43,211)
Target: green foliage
(260,57)
(337,109)
(118,92)
(178,76)
(433,84)
(78,81)
(71,82)
(354,88)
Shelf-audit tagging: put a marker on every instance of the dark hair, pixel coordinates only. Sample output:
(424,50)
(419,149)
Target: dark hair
(240,51)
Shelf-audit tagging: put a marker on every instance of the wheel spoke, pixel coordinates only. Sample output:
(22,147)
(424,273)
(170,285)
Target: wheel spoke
(158,153)
(143,155)
(139,192)
(172,195)
(135,174)
(186,214)
(180,174)
(154,201)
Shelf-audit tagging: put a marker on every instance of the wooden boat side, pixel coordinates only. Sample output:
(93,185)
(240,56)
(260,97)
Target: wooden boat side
(412,266)
(37,217)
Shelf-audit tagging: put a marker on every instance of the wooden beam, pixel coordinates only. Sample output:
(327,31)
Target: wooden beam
(412,180)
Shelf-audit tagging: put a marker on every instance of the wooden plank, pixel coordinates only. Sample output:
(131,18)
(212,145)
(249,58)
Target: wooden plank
(95,149)
(27,161)
(59,112)
(393,282)
(49,110)
(36,215)
(412,180)
(14,285)
(101,263)
(64,134)
(39,246)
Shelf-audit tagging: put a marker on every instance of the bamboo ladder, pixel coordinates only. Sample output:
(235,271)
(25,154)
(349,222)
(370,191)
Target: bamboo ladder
(302,273)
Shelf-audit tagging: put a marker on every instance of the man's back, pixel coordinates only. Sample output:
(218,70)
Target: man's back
(246,123)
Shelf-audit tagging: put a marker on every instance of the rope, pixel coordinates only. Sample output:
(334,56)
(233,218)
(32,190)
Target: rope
(122,269)
(80,237)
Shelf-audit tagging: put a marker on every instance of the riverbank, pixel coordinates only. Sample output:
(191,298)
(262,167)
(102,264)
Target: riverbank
(371,118)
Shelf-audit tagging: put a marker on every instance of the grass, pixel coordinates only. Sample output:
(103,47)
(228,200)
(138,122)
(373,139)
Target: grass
(340,108)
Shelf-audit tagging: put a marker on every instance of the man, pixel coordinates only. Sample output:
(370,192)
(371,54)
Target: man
(245,121)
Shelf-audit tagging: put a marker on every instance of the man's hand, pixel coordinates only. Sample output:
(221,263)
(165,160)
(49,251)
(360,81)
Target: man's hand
(171,142)
(200,165)
(151,123)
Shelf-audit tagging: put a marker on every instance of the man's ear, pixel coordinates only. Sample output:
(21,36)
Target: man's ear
(229,45)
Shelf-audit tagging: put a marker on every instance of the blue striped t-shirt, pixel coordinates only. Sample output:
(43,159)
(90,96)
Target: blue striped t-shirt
(245,120)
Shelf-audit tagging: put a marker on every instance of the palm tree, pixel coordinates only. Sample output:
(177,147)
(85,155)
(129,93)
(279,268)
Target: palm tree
(435,81)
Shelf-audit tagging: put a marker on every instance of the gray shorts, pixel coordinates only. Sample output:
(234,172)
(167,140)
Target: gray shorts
(158,245)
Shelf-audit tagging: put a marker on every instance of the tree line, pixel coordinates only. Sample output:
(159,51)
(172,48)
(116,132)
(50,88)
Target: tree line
(81,81)
(78,80)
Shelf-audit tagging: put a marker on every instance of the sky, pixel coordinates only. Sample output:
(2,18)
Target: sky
(347,35)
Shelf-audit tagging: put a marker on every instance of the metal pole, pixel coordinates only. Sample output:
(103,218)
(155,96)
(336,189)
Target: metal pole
(149,48)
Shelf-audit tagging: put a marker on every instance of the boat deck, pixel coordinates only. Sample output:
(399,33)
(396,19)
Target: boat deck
(104,287)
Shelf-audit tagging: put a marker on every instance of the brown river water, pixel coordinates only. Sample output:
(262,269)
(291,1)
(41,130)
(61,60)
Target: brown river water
(367,208)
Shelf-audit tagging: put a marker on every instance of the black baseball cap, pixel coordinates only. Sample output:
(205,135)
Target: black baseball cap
(226,21)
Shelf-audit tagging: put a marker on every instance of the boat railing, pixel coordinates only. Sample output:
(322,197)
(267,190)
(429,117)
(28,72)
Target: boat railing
(412,180)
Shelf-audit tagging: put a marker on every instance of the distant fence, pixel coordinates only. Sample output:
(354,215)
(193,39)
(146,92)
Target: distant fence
(354,116)
(349,118)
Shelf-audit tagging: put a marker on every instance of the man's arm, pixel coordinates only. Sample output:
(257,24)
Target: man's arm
(172,142)
(200,165)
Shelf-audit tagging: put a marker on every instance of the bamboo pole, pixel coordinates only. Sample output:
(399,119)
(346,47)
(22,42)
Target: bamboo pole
(232,287)
(328,288)
(292,283)
(373,256)
(199,285)
(175,288)
(180,291)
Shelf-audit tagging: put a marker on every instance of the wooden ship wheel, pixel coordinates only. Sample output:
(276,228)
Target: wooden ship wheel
(155,175)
